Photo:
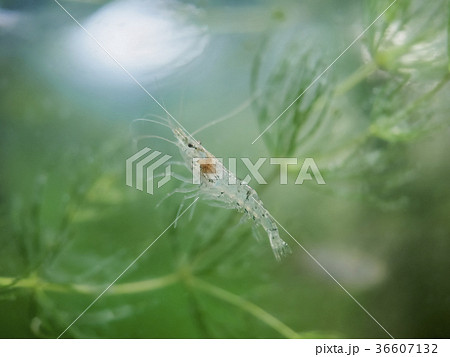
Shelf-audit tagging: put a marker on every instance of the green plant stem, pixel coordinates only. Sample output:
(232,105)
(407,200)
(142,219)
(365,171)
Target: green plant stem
(245,305)
(145,285)
(34,282)
(355,78)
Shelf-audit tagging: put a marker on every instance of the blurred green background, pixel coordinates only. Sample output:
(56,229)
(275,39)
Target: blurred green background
(376,124)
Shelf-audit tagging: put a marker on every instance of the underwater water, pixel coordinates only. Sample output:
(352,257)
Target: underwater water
(372,115)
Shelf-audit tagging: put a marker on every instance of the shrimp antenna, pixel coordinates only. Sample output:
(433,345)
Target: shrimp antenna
(136,139)
(234,112)
(141,137)
(151,121)
(165,119)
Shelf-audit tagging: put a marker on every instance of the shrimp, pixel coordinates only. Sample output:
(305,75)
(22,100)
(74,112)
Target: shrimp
(219,186)
(215,187)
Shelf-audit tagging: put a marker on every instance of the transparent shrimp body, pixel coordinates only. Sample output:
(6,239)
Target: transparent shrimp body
(220,186)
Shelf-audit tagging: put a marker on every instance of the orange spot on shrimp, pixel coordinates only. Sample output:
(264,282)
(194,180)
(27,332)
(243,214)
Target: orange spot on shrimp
(207,166)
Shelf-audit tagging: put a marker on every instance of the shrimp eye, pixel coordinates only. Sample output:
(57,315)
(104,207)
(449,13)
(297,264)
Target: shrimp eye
(190,145)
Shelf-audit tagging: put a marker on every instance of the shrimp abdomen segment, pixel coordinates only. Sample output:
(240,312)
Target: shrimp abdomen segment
(221,187)
(254,210)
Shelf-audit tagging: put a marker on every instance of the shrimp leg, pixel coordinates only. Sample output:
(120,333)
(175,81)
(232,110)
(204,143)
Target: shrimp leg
(177,190)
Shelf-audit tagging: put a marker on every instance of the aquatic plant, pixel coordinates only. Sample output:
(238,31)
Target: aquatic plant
(75,229)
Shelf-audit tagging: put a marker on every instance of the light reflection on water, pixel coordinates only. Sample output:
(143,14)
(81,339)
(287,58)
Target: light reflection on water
(148,38)
(351,267)
(8,19)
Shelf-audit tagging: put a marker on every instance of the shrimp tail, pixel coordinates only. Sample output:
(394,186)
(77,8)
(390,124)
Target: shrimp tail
(279,247)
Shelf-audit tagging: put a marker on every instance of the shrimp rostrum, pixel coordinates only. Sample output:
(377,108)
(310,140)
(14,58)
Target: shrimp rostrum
(219,186)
